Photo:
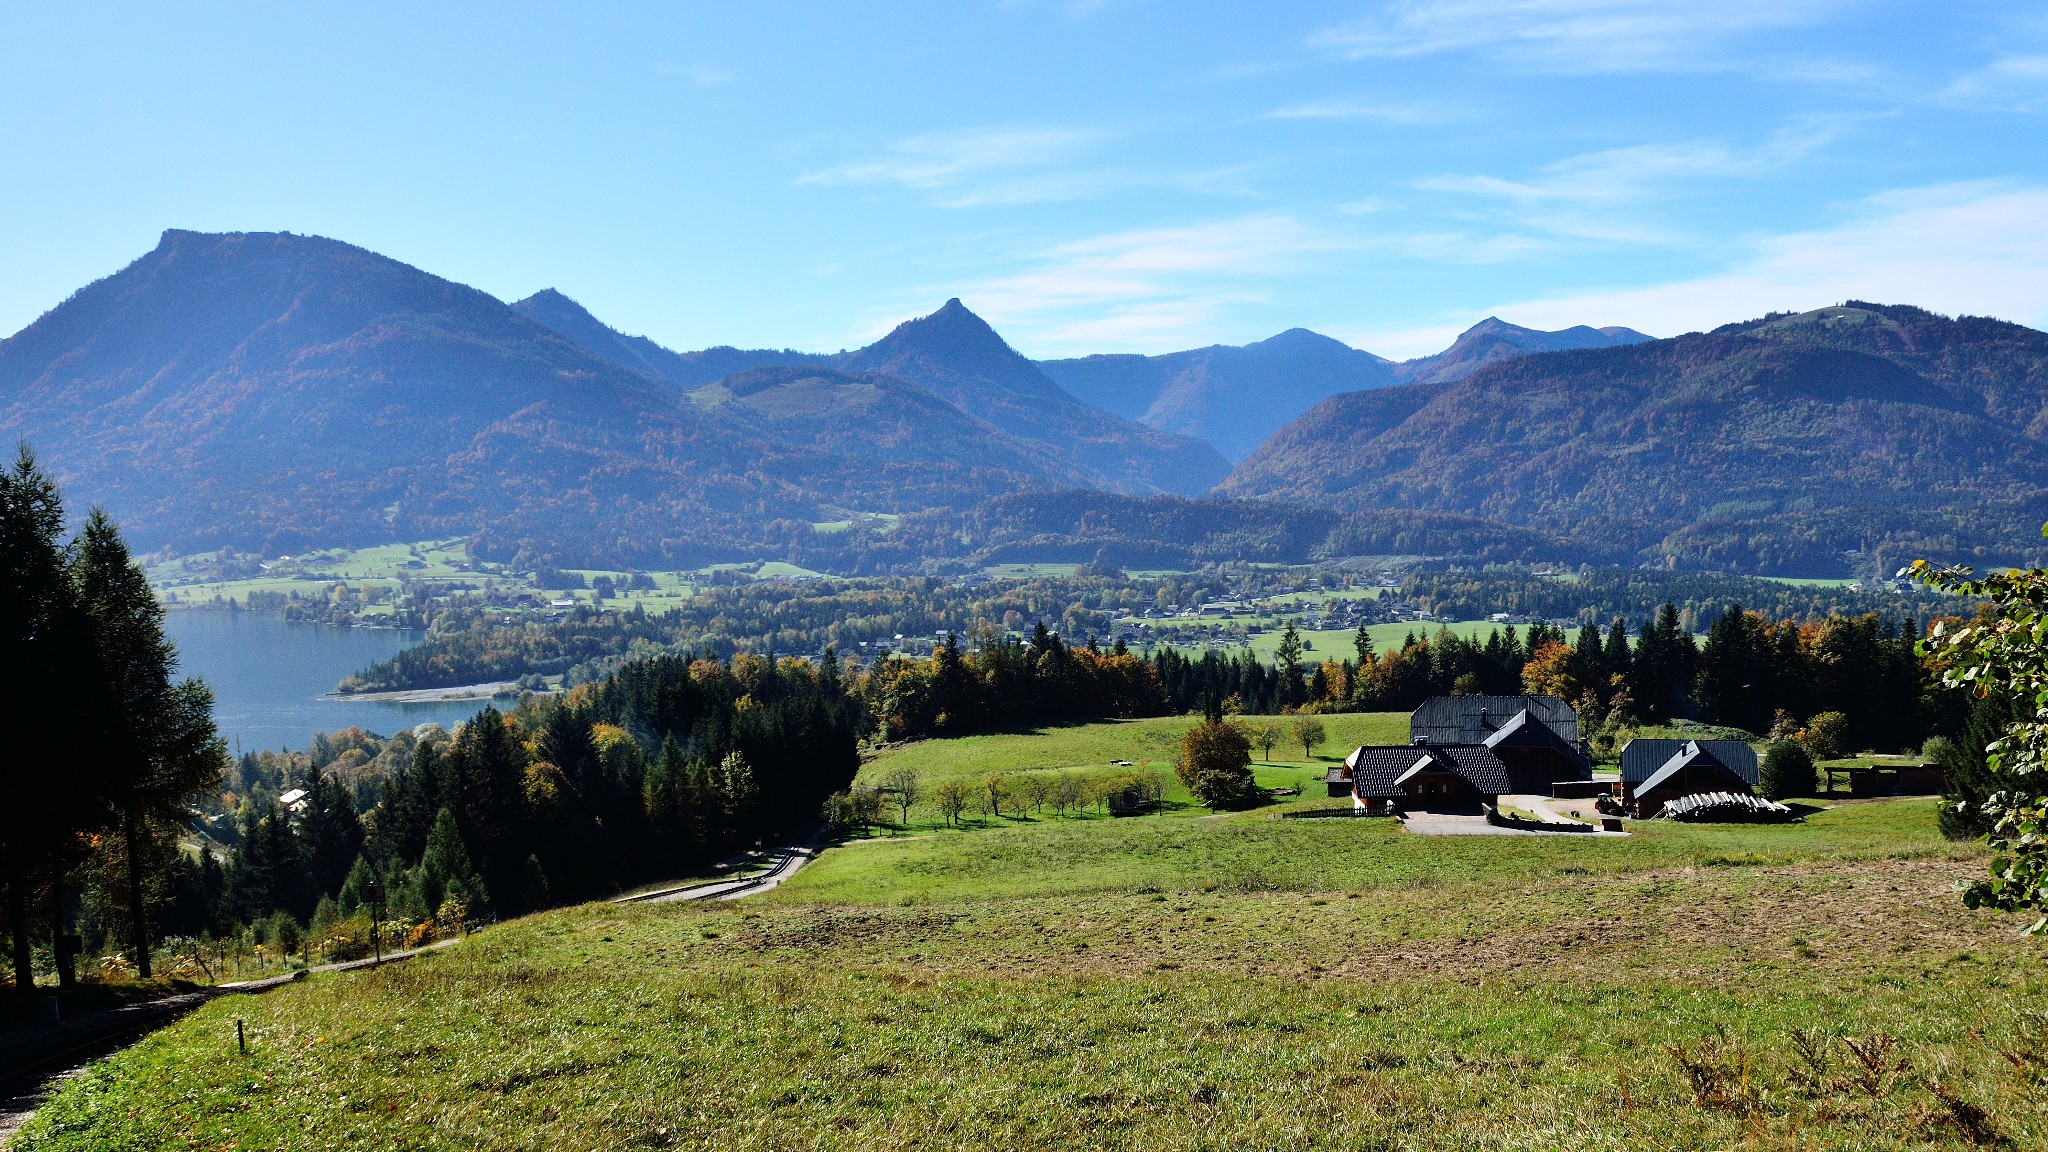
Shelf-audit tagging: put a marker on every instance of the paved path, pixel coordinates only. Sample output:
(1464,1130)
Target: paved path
(1442,824)
(1462,824)
(1539,807)
(783,863)
(1542,806)
(34,1061)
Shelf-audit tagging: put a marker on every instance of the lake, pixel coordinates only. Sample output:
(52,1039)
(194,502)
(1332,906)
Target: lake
(269,675)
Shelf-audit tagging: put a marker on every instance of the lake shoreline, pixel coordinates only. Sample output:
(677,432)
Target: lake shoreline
(457,694)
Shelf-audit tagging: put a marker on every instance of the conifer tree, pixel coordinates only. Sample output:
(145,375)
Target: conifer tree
(155,739)
(39,642)
(1969,781)
(446,867)
(1616,657)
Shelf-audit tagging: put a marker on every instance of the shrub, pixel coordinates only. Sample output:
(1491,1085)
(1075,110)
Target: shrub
(1941,752)
(1787,770)
(1826,737)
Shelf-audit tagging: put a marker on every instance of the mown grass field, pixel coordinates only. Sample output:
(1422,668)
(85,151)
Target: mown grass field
(1170,982)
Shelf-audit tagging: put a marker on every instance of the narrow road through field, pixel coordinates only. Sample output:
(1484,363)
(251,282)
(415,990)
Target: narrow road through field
(783,863)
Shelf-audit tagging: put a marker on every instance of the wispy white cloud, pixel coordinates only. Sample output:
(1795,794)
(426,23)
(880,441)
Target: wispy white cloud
(1978,248)
(1380,111)
(1610,195)
(968,169)
(1452,246)
(1620,175)
(1145,288)
(2019,82)
(1574,35)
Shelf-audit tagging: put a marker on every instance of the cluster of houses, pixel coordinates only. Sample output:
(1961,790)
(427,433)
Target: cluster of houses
(1466,752)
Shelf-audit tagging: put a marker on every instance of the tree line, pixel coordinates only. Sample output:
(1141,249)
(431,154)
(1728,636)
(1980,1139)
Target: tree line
(113,744)
(667,765)
(1601,594)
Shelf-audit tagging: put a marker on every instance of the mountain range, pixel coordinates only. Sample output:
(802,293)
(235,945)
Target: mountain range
(276,392)
(1792,444)
(1235,396)
(957,356)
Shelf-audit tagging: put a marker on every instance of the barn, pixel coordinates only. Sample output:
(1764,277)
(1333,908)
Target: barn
(1656,772)
(1536,738)
(1436,777)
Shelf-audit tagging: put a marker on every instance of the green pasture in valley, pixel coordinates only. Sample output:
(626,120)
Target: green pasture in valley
(1182,980)
(1327,644)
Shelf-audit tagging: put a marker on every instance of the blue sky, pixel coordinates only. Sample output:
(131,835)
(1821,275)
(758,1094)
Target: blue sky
(1109,176)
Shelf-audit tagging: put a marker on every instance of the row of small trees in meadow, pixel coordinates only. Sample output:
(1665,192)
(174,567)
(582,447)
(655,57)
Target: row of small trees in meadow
(1015,795)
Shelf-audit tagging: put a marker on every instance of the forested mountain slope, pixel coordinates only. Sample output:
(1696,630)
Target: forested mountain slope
(1773,446)
(956,354)
(1232,396)
(867,432)
(685,370)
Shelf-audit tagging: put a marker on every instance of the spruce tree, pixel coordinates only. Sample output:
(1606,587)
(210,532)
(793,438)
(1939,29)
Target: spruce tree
(1616,657)
(1589,663)
(154,739)
(446,867)
(39,644)
(1287,658)
(1969,780)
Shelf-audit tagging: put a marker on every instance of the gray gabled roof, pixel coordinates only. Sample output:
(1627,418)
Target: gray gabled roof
(1641,758)
(1690,759)
(1376,772)
(1471,719)
(1522,731)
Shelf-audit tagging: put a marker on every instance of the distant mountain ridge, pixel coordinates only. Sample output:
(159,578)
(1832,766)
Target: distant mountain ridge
(1235,396)
(276,392)
(954,354)
(1231,396)
(1776,446)
(1495,339)
(685,370)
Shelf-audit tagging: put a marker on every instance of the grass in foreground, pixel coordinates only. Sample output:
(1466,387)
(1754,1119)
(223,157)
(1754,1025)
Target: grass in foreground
(1171,983)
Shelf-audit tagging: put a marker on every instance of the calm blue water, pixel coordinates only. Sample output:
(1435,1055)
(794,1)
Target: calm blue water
(268,677)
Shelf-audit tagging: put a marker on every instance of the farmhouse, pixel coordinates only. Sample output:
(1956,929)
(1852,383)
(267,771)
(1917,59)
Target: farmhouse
(1656,772)
(1535,737)
(1438,777)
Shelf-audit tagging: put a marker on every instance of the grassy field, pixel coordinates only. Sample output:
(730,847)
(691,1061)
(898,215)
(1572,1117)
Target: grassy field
(1148,744)
(1176,981)
(189,581)
(1336,644)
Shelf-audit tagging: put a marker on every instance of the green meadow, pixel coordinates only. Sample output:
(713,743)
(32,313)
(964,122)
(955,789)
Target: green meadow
(1147,744)
(1329,644)
(1181,980)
